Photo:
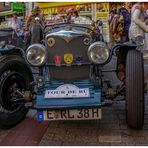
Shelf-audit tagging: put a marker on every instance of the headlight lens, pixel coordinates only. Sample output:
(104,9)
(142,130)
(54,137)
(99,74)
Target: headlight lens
(36,54)
(98,53)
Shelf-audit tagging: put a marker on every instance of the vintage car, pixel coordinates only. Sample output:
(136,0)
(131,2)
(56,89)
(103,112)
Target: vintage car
(70,81)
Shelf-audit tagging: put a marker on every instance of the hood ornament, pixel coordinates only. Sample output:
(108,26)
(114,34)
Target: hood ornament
(67,38)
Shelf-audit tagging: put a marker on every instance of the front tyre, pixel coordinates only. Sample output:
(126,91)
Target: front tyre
(134,89)
(14,75)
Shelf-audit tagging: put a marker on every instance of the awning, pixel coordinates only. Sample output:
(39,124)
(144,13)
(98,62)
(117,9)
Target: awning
(58,4)
(6,13)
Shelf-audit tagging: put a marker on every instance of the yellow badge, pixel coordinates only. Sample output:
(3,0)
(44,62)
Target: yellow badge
(51,42)
(68,58)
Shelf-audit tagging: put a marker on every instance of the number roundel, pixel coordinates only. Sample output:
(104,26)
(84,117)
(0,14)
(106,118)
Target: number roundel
(51,42)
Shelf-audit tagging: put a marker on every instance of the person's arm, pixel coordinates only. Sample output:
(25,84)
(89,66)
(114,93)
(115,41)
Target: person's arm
(115,22)
(27,23)
(42,20)
(136,16)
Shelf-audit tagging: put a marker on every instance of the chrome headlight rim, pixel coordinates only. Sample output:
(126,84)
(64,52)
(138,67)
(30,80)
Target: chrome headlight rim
(37,46)
(100,45)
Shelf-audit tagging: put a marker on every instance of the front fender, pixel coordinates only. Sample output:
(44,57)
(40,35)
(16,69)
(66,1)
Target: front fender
(12,50)
(121,51)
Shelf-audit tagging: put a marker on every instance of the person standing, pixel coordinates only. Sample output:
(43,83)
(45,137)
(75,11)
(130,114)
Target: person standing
(110,21)
(75,17)
(111,16)
(93,30)
(34,25)
(138,28)
(137,31)
(99,25)
(125,14)
(16,24)
(115,28)
(69,15)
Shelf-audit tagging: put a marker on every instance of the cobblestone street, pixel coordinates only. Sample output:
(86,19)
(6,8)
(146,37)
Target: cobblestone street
(110,130)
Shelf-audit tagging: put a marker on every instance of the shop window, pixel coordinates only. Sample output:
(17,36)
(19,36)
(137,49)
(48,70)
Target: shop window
(6,4)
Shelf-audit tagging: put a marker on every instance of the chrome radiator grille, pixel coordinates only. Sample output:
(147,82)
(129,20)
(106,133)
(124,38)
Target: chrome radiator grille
(76,47)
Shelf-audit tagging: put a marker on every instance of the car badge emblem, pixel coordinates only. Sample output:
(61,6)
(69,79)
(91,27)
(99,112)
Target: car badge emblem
(68,58)
(78,59)
(87,41)
(51,42)
(57,60)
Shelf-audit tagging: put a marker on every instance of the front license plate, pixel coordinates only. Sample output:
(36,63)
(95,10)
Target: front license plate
(73,93)
(75,114)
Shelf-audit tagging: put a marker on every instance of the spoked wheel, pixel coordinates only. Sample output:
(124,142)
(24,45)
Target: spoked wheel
(11,87)
(134,89)
(15,77)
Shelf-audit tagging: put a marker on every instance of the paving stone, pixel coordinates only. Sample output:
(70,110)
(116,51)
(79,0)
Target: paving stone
(68,125)
(10,138)
(146,138)
(73,144)
(81,139)
(77,131)
(110,126)
(87,138)
(134,133)
(60,137)
(48,136)
(20,141)
(117,144)
(134,140)
(3,134)
(111,138)
(124,126)
(58,131)
(140,140)
(31,143)
(128,140)
(89,127)
(98,144)
(141,144)
(94,132)
(50,143)
(53,124)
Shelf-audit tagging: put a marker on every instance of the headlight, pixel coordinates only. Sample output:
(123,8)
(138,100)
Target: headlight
(98,53)
(36,54)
